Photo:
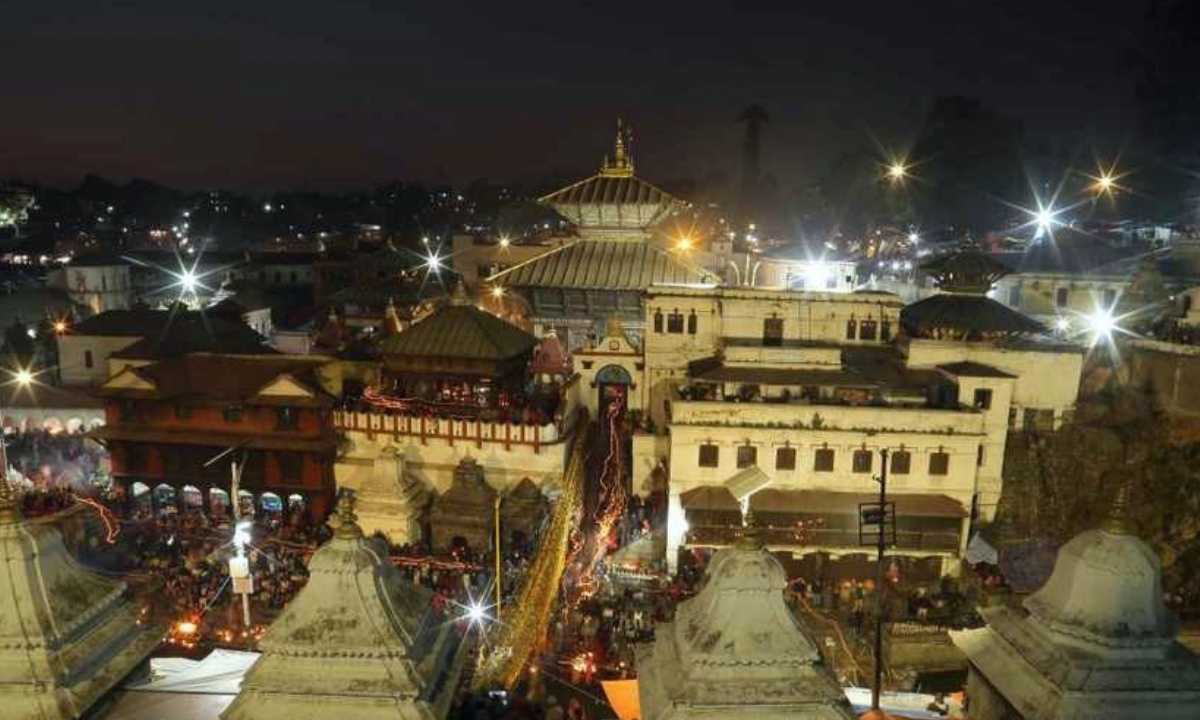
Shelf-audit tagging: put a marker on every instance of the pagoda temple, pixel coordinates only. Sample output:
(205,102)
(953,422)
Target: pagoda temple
(459,355)
(737,651)
(359,641)
(574,288)
(67,636)
(962,309)
(1095,642)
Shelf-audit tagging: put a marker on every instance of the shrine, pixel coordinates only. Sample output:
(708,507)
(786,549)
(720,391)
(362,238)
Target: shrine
(67,635)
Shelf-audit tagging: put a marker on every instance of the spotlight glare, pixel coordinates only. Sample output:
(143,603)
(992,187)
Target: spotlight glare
(497,292)
(1062,324)
(898,171)
(23,377)
(1101,324)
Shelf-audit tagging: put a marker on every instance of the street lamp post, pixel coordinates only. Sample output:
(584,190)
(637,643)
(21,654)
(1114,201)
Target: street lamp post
(875,521)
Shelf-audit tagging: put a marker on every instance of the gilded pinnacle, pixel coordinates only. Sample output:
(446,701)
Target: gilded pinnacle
(347,522)
(1118,514)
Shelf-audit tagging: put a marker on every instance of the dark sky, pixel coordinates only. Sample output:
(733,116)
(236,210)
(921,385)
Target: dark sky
(260,94)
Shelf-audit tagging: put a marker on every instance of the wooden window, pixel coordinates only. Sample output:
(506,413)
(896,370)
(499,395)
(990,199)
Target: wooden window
(939,463)
(823,460)
(885,330)
(863,460)
(675,323)
(772,332)
(851,330)
(747,456)
(979,456)
(290,468)
(128,410)
(785,458)
(88,360)
(233,413)
(983,398)
(692,323)
(710,455)
(658,321)
(901,462)
(867,330)
(1061,297)
(287,418)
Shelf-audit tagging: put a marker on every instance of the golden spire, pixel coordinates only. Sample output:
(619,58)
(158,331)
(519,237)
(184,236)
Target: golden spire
(621,162)
(346,521)
(459,296)
(1118,515)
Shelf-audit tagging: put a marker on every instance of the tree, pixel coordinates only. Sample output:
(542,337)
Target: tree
(1059,484)
(1163,66)
(15,202)
(966,161)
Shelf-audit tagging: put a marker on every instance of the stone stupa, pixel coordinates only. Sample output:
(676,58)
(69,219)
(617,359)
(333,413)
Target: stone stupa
(359,641)
(737,651)
(67,636)
(1095,642)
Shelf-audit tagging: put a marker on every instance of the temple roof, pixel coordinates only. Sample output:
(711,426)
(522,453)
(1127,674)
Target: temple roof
(971,313)
(460,330)
(736,650)
(67,636)
(966,270)
(205,378)
(614,198)
(603,265)
(357,641)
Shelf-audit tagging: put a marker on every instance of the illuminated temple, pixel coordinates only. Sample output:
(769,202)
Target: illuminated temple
(575,288)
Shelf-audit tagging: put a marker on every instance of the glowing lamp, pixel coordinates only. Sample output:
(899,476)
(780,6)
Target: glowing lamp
(1062,324)
(24,377)
(1101,323)
(60,326)
(897,171)
(187,279)
(913,237)
(186,628)
(505,242)
(497,292)
(684,243)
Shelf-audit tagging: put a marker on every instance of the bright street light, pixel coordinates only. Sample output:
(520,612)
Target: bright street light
(1062,324)
(497,292)
(683,243)
(23,377)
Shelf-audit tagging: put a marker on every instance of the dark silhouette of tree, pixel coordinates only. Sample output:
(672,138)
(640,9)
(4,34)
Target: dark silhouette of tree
(966,161)
(1163,64)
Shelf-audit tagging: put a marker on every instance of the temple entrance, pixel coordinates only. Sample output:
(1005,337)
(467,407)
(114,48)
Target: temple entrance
(613,383)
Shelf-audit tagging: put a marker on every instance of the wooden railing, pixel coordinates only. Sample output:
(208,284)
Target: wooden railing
(928,541)
(451,431)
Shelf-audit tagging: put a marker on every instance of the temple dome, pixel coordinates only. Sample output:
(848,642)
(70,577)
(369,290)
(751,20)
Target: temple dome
(736,650)
(1106,588)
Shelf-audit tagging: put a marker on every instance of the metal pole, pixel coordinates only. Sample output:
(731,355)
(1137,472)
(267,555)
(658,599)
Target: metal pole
(246,610)
(880,547)
(496,523)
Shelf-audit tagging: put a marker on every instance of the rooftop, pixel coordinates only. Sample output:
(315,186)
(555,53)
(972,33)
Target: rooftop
(225,379)
(460,330)
(604,265)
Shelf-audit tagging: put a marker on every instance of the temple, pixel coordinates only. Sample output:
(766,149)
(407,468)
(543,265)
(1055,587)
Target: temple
(736,651)
(67,636)
(359,641)
(1096,641)
(604,273)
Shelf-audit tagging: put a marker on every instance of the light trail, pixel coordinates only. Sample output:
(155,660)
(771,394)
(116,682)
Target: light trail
(112,526)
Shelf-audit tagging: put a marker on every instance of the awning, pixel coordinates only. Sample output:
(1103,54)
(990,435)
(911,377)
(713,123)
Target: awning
(260,441)
(709,498)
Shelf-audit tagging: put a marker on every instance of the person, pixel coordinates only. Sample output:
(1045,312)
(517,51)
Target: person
(939,705)
(554,711)
(575,710)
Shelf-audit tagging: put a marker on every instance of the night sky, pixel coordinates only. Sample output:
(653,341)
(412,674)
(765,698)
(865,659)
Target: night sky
(262,94)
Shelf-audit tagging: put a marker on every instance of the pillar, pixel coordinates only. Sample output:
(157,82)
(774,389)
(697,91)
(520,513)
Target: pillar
(676,530)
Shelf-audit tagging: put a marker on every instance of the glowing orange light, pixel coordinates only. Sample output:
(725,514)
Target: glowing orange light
(186,628)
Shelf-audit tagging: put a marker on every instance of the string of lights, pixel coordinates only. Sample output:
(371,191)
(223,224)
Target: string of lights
(523,629)
(112,526)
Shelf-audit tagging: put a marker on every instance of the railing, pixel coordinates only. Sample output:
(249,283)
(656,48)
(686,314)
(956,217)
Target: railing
(451,431)
(928,541)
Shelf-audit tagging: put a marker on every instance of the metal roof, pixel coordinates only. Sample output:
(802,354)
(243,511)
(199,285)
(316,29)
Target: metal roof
(966,312)
(967,368)
(603,265)
(460,331)
(612,201)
